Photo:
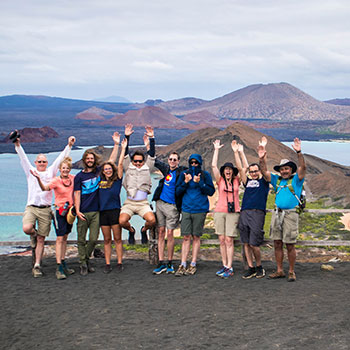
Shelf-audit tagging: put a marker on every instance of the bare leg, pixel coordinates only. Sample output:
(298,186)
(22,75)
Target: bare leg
(161,242)
(39,249)
(291,256)
(59,249)
(106,230)
(278,244)
(150,220)
(223,250)
(170,244)
(229,250)
(248,254)
(124,222)
(117,234)
(64,246)
(28,229)
(186,244)
(257,254)
(196,244)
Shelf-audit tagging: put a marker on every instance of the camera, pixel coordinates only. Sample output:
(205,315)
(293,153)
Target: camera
(14,136)
(231,207)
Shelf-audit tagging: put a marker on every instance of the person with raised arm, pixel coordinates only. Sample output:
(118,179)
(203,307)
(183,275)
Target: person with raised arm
(226,212)
(38,214)
(63,189)
(137,183)
(86,202)
(253,210)
(109,197)
(285,218)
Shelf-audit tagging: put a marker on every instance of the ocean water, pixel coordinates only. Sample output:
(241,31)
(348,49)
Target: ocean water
(13,186)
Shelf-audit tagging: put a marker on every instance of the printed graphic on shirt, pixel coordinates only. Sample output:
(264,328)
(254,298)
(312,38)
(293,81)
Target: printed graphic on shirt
(253,184)
(168,179)
(90,185)
(104,184)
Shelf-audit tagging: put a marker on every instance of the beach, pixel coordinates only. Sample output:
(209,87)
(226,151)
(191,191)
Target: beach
(137,310)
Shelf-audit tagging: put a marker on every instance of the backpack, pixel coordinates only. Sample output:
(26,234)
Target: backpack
(301,200)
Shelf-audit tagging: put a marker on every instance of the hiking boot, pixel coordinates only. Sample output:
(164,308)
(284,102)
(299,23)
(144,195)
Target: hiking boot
(277,274)
(260,272)
(83,269)
(170,269)
(119,267)
(160,269)
(60,275)
(228,273)
(98,253)
(181,271)
(144,238)
(131,238)
(66,269)
(107,269)
(90,268)
(191,270)
(251,272)
(291,277)
(220,272)
(36,272)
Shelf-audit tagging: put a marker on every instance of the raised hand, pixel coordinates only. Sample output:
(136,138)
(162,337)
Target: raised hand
(124,143)
(261,151)
(116,137)
(240,148)
(146,140)
(35,173)
(234,146)
(217,145)
(197,178)
(188,178)
(128,129)
(71,141)
(263,141)
(296,145)
(149,131)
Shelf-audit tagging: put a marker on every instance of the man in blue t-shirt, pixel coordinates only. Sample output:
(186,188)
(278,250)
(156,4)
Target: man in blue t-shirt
(285,219)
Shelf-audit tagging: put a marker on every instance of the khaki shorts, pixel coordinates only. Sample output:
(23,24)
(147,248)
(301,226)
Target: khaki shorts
(167,215)
(285,226)
(226,224)
(131,207)
(42,216)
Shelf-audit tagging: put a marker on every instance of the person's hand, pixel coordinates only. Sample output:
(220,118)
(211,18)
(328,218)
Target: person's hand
(116,138)
(17,143)
(240,148)
(297,145)
(34,173)
(128,129)
(71,141)
(217,145)
(149,131)
(234,146)
(81,216)
(124,143)
(188,178)
(263,141)
(197,178)
(146,140)
(261,151)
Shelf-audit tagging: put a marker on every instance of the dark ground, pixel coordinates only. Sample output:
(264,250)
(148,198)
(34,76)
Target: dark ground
(136,310)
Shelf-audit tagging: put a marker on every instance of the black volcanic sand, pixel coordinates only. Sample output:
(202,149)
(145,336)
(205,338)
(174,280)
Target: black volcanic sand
(137,310)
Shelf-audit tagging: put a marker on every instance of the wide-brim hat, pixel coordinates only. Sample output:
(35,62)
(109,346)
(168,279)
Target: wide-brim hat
(228,165)
(71,215)
(286,162)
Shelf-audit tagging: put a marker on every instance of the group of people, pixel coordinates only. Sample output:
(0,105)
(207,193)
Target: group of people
(181,193)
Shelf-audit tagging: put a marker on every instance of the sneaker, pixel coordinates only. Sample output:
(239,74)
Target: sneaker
(181,271)
(170,269)
(251,272)
(191,270)
(291,277)
(107,269)
(276,275)
(220,272)
(131,238)
(160,269)
(228,273)
(60,275)
(66,269)
(83,269)
(144,238)
(119,267)
(260,272)
(36,271)
(90,268)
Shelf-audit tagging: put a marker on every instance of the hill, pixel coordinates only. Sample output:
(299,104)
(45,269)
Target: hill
(34,135)
(339,101)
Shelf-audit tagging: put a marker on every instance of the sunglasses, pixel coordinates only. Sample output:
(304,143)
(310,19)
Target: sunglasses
(253,171)
(138,161)
(41,161)
(173,159)
(193,162)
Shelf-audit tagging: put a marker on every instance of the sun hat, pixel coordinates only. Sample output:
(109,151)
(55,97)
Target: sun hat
(71,215)
(228,165)
(286,162)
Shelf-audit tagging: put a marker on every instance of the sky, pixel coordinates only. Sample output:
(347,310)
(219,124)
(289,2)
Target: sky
(172,49)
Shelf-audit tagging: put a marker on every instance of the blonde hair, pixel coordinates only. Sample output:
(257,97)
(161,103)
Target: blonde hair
(68,161)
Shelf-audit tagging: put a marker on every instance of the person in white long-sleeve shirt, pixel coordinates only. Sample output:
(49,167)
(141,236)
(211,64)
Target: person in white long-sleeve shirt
(38,214)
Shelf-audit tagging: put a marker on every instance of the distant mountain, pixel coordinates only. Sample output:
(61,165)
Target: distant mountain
(342,127)
(34,135)
(94,113)
(339,101)
(117,99)
(280,101)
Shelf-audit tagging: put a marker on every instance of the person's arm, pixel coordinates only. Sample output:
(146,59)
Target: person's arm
(23,158)
(121,158)
(242,171)
(42,186)
(77,196)
(150,135)
(214,163)
(65,153)
(301,161)
(128,131)
(163,167)
(182,183)
(114,153)
(262,162)
(243,157)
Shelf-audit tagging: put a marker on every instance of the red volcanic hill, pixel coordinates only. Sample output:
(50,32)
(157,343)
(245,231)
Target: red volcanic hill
(94,113)
(34,134)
